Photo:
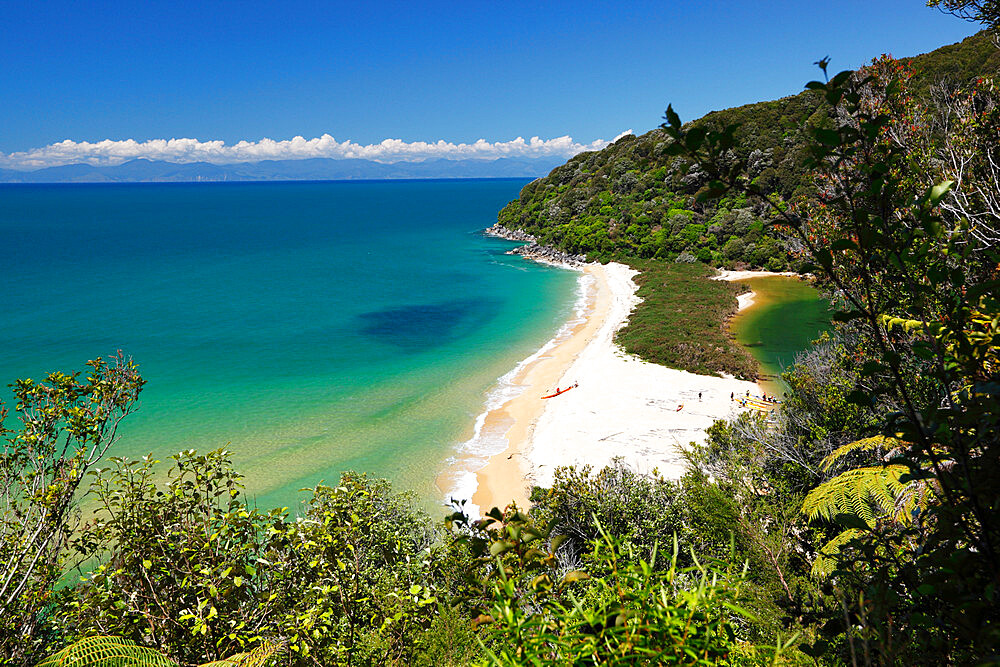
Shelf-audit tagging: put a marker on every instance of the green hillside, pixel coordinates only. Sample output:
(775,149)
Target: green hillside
(632,200)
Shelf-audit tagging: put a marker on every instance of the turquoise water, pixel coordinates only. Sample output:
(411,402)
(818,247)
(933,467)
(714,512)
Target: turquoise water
(309,327)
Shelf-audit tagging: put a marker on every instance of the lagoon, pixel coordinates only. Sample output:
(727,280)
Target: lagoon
(786,315)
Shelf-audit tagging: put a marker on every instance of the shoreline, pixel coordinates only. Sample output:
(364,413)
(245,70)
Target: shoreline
(623,406)
(460,481)
(747,299)
(505,476)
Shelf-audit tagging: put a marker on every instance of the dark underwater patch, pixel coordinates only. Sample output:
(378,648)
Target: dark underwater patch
(421,326)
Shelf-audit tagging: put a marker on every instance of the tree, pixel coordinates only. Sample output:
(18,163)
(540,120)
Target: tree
(922,289)
(67,427)
(637,612)
(981,11)
(187,566)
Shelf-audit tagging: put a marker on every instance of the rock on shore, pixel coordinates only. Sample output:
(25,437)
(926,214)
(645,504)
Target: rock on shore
(533,250)
(502,232)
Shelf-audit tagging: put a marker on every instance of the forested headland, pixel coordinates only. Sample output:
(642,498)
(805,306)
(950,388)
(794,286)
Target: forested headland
(859,525)
(635,199)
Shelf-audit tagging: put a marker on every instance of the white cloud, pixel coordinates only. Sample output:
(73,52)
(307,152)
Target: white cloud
(110,152)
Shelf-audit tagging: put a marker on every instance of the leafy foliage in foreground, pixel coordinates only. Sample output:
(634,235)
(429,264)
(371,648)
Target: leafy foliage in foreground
(67,427)
(908,230)
(190,568)
(636,612)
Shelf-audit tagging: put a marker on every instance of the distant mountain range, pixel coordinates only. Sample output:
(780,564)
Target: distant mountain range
(315,169)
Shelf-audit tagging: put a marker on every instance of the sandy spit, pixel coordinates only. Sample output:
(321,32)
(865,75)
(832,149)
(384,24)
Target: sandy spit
(622,406)
(746,299)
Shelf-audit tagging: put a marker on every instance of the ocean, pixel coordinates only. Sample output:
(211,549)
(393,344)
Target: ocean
(310,328)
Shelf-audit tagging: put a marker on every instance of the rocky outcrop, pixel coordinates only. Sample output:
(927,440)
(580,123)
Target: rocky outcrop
(543,253)
(539,253)
(502,232)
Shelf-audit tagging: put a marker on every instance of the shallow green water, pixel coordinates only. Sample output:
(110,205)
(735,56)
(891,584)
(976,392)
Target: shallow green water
(310,327)
(787,314)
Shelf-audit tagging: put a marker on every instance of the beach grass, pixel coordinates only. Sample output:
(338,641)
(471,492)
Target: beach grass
(682,320)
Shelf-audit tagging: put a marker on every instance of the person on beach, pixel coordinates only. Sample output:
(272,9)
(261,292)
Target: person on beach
(732,396)
(699,395)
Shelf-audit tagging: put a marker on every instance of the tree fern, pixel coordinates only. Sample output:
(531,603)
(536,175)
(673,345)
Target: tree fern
(255,658)
(880,443)
(829,555)
(105,651)
(866,493)
(869,493)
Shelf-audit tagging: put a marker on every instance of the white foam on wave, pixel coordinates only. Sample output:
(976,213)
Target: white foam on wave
(475,452)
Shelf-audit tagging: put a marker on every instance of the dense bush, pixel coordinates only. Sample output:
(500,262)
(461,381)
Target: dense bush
(682,320)
(635,199)
(188,567)
(907,229)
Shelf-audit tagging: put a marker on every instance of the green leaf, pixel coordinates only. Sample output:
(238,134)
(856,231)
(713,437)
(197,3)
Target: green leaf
(824,257)
(858,397)
(843,244)
(841,78)
(846,315)
(500,547)
(675,149)
(695,138)
(938,192)
(976,291)
(827,137)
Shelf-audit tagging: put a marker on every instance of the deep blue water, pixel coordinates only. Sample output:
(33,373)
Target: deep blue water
(309,327)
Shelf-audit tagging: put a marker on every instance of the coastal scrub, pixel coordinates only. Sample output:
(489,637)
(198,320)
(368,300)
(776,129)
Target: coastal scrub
(681,322)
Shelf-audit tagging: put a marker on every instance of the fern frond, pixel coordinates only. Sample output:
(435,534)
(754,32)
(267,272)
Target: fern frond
(104,651)
(875,443)
(866,493)
(255,658)
(914,499)
(828,556)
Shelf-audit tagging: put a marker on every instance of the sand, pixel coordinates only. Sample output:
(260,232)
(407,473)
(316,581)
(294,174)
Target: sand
(746,299)
(622,407)
(726,274)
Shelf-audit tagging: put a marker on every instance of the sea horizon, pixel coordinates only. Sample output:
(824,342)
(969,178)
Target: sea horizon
(521,179)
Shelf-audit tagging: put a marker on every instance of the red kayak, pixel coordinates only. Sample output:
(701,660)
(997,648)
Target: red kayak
(559,391)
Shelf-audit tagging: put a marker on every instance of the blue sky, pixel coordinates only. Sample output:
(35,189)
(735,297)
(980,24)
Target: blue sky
(457,72)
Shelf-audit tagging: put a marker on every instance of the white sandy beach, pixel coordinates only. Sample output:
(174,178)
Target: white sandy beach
(623,407)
